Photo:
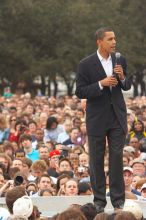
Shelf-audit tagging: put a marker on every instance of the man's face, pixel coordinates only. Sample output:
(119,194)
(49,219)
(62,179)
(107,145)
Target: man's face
(67,126)
(83,160)
(26,143)
(134,143)
(20,155)
(64,166)
(74,158)
(128,177)
(71,188)
(125,161)
(138,168)
(17,163)
(43,151)
(108,43)
(74,134)
(44,183)
(39,135)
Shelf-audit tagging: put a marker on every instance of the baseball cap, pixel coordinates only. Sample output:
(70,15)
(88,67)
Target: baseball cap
(134,207)
(23,206)
(129,149)
(54,153)
(128,169)
(4,214)
(143,186)
(137,160)
(143,156)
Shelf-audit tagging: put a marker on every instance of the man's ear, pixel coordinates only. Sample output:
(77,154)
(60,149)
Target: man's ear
(98,41)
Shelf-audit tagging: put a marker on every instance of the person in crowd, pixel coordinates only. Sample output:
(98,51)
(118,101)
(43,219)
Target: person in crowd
(135,143)
(134,208)
(76,122)
(126,158)
(43,116)
(102,216)
(43,182)
(65,166)
(138,167)
(135,180)
(12,129)
(4,131)
(19,153)
(39,135)
(8,149)
(137,130)
(12,195)
(74,159)
(43,152)
(17,163)
(78,149)
(39,168)
(143,191)
(139,184)
(71,213)
(29,110)
(89,210)
(46,192)
(126,215)
(84,159)
(63,136)
(84,189)
(19,128)
(61,180)
(74,138)
(6,161)
(26,142)
(53,129)
(31,188)
(71,187)
(128,177)
(54,163)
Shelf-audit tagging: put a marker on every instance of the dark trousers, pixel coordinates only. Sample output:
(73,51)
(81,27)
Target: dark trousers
(116,140)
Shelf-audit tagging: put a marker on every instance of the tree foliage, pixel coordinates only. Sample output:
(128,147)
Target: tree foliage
(48,38)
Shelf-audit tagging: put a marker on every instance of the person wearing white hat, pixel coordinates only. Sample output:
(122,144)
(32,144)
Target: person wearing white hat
(143,191)
(134,207)
(128,177)
(23,206)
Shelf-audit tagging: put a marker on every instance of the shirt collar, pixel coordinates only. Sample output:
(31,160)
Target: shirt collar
(102,58)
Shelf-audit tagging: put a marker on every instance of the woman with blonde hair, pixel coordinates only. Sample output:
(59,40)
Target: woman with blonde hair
(4,131)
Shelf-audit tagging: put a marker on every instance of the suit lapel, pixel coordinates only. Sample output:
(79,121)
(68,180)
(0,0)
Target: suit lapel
(98,66)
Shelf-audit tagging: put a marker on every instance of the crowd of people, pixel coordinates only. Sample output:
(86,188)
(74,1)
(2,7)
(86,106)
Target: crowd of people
(44,150)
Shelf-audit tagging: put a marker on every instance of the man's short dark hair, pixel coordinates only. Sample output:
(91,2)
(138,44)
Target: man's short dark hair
(12,195)
(25,137)
(89,210)
(100,33)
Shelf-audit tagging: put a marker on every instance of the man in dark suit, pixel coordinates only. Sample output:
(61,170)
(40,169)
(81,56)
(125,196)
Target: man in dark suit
(100,80)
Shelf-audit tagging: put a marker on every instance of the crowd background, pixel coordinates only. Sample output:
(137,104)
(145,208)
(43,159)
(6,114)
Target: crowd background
(44,147)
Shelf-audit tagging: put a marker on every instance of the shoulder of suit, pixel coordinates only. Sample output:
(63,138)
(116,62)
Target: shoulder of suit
(89,58)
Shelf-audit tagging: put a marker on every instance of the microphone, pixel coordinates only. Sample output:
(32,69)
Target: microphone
(117,60)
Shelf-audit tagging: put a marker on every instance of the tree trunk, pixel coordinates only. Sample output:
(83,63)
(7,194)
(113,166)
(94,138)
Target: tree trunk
(43,85)
(49,87)
(55,87)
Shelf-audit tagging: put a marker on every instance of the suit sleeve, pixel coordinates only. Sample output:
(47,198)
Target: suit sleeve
(85,89)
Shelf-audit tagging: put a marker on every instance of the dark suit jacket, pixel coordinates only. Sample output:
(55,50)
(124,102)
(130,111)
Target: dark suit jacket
(90,71)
